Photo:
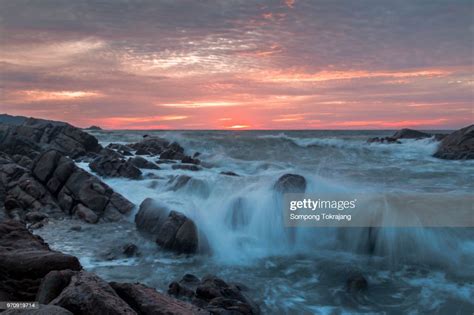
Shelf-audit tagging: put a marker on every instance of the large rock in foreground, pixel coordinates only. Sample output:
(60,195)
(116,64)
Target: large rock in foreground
(459,145)
(171,230)
(89,294)
(30,136)
(25,259)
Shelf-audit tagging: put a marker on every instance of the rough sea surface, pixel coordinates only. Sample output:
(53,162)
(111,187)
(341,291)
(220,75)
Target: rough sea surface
(409,270)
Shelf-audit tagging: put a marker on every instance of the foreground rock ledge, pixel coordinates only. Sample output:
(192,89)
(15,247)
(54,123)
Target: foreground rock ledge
(31,271)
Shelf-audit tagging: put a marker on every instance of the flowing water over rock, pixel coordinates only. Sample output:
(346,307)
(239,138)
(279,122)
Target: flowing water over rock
(427,270)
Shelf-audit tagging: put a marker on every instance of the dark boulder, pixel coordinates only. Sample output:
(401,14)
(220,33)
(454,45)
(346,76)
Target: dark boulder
(186,167)
(89,294)
(190,160)
(150,146)
(458,145)
(290,183)
(94,128)
(53,284)
(143,163)
(171,230)
(148,301)
(25,259)
(130,250)
(115,167)
(356,282)
(229,173)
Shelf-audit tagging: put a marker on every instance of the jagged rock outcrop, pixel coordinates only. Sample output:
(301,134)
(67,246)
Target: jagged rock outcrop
(458,145)
(112,166)
(57,187)
(171,230)
(214,294)
(32,136)
(25,259)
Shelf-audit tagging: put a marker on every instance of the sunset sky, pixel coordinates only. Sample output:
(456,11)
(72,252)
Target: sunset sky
(239,64)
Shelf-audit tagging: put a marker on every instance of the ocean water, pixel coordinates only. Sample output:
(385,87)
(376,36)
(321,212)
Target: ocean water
(303,271)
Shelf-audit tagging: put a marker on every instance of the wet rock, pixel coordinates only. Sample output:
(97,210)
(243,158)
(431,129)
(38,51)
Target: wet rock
(356,283)
(171,230)
(148,301)
(290,183)
(130,250)
(53,284)
(383,140)
(42,310)
(228,173)
(35,216)
(150,216)
(179,182)
(115,167)
(190,160)
(89,294)
(143,163)
(151,145)
(214,295)
(120,148)
(458,145)
(85,214)
(187,167)
(76,228)
(25,259)
(142,152)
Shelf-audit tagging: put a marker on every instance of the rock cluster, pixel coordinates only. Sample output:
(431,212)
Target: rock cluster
(171,230)
(401,134)
(214,295)
(31,271)
(57,187)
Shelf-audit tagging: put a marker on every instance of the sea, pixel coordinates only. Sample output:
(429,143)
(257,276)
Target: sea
(302,270)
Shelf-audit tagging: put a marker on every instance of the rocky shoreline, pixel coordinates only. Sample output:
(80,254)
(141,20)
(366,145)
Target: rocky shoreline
(40,181)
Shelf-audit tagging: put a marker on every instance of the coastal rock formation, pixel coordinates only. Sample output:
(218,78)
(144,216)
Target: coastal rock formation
(214,295)
(94,128)
(112,166)
(25,259)
(31,136)
(290,183)
(459,145)
(150,145)
(57,187)
(171,230)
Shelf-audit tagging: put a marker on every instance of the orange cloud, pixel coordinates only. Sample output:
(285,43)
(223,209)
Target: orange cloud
(42,95)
